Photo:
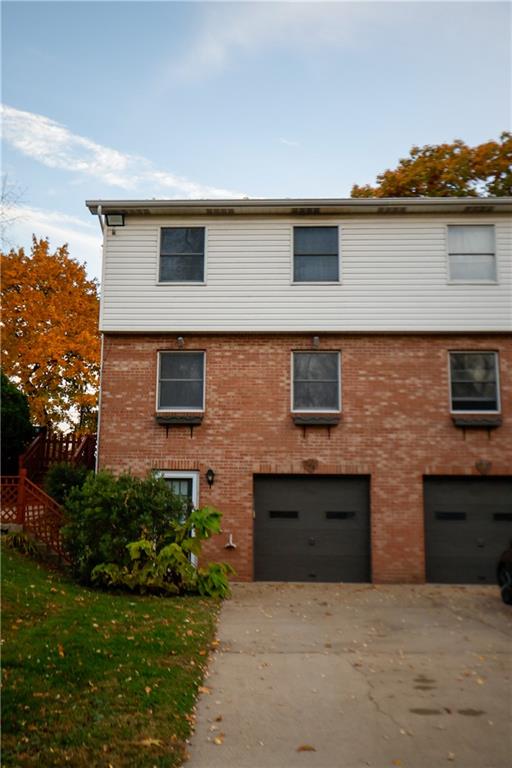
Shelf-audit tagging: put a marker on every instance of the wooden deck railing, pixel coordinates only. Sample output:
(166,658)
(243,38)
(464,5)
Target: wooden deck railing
(49,448)
(25,504)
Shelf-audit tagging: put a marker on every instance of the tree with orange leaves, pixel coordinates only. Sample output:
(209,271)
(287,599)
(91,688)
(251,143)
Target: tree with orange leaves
(448,170)
(50,339)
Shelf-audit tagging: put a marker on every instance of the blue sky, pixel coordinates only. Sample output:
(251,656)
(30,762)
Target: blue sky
(210,99)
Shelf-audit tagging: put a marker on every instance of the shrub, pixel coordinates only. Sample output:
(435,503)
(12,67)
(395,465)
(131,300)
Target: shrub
(61,478)
(164,565)
(16,429)
(107,513)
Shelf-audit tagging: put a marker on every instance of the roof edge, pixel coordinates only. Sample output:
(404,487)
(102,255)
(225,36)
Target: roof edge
(304,206)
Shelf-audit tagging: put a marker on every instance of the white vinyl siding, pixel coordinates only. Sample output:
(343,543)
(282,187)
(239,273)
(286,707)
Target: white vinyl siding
(394,279)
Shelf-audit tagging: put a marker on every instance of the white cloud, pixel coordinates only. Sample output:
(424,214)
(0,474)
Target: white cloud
(83,237)
(55,146)
(289,142)
(227,30)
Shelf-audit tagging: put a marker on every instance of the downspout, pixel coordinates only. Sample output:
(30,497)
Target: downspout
(97,463)
(100,219)
(102,225)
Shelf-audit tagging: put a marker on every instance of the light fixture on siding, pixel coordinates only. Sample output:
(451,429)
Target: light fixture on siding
(181,342)
(115,219)
(210,476)
(316,342)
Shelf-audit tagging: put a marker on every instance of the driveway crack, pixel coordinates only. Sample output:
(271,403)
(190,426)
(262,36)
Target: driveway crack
(373,700)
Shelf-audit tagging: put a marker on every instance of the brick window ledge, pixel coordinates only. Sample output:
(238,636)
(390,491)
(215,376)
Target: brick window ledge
(477,422)
(316,419)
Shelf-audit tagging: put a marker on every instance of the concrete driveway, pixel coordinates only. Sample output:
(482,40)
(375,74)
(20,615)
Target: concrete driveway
(340,676)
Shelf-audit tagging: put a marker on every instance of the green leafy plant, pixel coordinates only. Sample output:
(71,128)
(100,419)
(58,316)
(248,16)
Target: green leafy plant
(61,478)
(23,543)
(107,513)
(167,567)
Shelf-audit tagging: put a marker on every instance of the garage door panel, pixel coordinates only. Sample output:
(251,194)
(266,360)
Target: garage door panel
(468,524)
(327,537)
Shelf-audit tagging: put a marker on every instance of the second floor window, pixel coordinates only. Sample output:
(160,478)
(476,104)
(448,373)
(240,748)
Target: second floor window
(182,255)
(181,381)
(474,381)
(315,255)
(316,381)
(471,253)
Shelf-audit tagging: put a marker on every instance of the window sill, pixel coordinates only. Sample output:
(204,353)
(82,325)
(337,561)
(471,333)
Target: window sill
(477,421)
(316,419)
(315,282)
(179,419)
(472,282)
(180,282)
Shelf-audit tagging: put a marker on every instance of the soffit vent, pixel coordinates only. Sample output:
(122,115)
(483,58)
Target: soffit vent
(306,211)
(392,209)
(479,209)
(220,211)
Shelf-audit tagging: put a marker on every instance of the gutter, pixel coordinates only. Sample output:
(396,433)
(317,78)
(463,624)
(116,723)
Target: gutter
(306,206)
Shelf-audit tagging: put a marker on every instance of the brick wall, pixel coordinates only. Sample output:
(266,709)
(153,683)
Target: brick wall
(395,426)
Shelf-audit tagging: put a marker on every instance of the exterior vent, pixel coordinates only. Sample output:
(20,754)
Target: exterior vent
(479,209)
(306,211)
(393,209)
(220,211)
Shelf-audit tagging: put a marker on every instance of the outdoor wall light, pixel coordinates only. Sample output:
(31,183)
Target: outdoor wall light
(115,219)
(316,342)
(210,477)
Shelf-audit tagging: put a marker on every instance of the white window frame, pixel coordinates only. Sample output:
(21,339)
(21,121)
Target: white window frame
(167,474)
(496,368)
(459,281)
(292,378)
(292,254)
(178,409)
(205,265)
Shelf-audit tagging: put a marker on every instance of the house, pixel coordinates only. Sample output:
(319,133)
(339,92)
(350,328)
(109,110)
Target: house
(334,375)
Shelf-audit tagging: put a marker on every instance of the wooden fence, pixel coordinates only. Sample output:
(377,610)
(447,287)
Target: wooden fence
(24,503)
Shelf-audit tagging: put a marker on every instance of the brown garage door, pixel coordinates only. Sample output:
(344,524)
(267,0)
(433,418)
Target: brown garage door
(311,528)
(468,524)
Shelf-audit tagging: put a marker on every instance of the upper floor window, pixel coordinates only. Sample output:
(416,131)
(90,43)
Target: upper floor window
(471,253)
(316,255)
(182,255)
(316,381)
(474,381)
(181,381)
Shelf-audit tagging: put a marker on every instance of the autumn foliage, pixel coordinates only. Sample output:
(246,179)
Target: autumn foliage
(50,339)
(444,170)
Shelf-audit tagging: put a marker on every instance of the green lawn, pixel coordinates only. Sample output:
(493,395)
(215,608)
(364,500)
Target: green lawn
(96,679)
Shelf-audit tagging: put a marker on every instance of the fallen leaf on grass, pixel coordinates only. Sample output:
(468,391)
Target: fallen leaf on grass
(150,743)
(147,689)
(306,748)
(60,648)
